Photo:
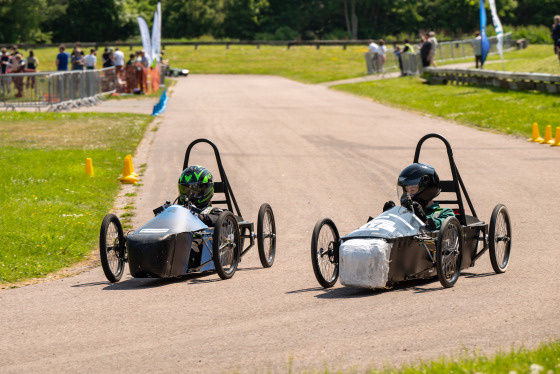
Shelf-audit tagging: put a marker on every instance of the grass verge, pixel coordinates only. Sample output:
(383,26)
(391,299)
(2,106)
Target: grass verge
(51,210)
(510,112)
(544,359)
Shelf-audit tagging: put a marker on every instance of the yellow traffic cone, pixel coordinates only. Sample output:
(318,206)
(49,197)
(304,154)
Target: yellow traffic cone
(127,176)
(556,142)
(89,167)
(548,136)
(536,136)
(129,157)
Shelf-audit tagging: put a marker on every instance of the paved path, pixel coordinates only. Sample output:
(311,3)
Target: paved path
(310,152)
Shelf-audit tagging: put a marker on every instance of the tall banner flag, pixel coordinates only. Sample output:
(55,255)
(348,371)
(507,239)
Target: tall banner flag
(485,44)
(497,27)
(145,34)
(155,39)
(160,16)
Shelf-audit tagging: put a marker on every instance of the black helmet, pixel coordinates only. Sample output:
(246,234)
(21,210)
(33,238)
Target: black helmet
(425,177)
(196,185)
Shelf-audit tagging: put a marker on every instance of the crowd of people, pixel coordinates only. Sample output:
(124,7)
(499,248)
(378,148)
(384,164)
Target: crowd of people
(13,62)
(132,74)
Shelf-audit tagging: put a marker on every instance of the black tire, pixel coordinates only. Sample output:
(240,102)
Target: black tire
(449,250)
(225,245)
(266,235)
(499,238)
(112,248)
(324,252)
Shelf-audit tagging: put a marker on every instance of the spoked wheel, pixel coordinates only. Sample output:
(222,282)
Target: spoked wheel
(499,238)
(225,246)
(449,249)
(112,248)
(266,235)
(324,252)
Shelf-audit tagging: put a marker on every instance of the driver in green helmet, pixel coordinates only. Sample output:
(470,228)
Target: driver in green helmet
(196,188)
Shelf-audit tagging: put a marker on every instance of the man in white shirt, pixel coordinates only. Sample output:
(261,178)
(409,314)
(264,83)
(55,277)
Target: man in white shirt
(118,58)
(90,60)
(371,57)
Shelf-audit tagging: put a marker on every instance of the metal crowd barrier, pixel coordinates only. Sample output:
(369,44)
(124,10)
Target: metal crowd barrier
(447,51)
(56,90)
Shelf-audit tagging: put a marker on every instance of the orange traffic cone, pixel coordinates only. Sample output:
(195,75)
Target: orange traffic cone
(129,157)
(536,136)
(556,142)
(548,136)
(89,167)
(127,176)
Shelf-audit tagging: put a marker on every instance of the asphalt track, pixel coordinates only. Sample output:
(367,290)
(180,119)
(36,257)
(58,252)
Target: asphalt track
(310,152)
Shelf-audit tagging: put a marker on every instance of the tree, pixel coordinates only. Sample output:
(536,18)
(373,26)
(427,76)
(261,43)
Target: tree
(18,23)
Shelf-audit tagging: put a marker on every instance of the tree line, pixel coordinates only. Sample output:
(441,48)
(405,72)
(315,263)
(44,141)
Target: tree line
(53,21)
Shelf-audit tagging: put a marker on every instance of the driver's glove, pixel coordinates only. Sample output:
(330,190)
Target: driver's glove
(419,211)
(388,205)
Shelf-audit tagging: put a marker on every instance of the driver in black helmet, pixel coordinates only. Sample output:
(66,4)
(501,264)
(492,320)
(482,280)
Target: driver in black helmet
(196,188)
(420,185)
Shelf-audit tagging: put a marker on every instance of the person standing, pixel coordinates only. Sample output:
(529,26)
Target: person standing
(32,64)
(425,51)
(371,57)
(77,59)
(433,41)
(477,46)
(118,59)
(108,58)
(381,55)
(62,59)
(90,60)
(556,33)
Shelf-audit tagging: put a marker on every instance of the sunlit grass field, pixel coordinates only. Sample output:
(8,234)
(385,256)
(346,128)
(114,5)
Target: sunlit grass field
(51,209)
(510,112)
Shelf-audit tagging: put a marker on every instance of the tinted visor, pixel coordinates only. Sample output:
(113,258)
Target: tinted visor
(191,191)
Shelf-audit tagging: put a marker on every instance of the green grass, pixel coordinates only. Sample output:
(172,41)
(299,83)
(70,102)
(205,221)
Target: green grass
(534,59)
(544,359)
(51,209)
(510,112)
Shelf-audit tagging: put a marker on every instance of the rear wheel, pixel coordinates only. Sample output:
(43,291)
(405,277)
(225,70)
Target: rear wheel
(112,249)
(324,252)
(266,235)
(499,238)
(449,249)
(225,245)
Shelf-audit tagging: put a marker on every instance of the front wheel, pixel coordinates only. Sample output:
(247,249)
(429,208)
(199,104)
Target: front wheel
(225,246)
(266,235)
(112,249)
(449,249)
(324,252)
(499,238)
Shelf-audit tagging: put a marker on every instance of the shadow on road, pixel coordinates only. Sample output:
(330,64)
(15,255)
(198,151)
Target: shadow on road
(143,283)
(416,286)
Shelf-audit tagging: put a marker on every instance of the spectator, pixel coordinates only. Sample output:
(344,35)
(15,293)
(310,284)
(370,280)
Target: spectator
(140,71)
(556,33)
(77,59)
(62,59)
(425,50)
(381,55)
(145,61)
(371,57)
(433,41)
(108,58)
(118,61)
(398,52)
(477,46)
(131,59)
(32,64)
(90,60)
(18,66)
(4,60)
(408,48)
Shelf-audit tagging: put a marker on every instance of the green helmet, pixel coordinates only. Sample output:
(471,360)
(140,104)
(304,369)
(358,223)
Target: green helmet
(196,185)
